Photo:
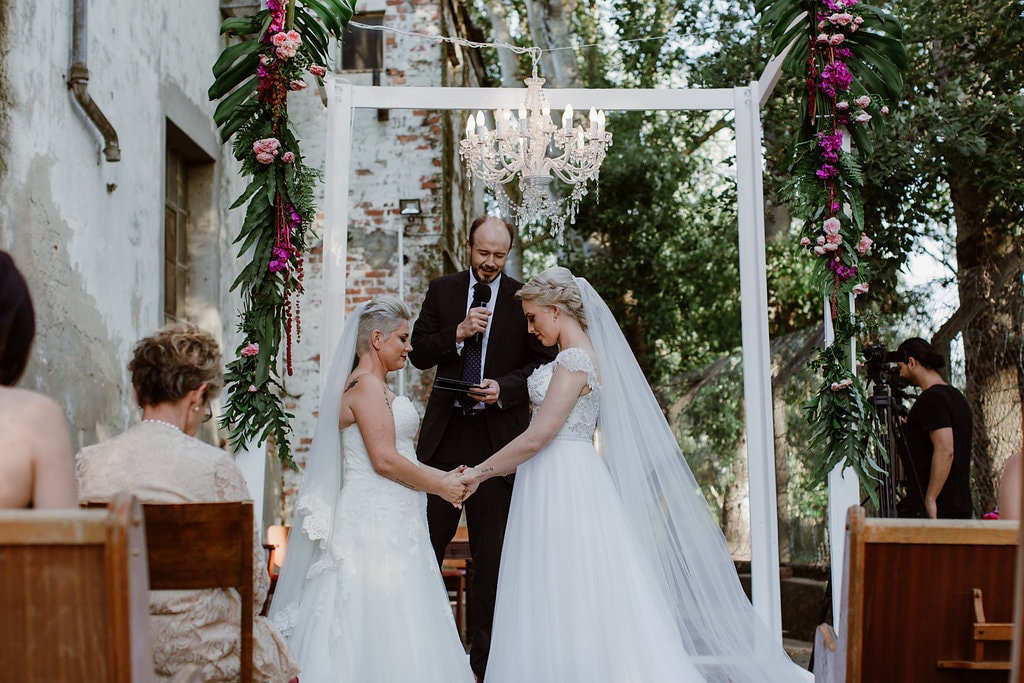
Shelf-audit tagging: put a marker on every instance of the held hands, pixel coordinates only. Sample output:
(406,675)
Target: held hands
(475,322)
(452,489)
(469,477)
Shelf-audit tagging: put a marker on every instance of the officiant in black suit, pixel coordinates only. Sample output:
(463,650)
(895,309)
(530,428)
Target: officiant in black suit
(471,326)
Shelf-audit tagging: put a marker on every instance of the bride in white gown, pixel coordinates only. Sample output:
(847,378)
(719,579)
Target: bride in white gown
(613,570)
(360,598)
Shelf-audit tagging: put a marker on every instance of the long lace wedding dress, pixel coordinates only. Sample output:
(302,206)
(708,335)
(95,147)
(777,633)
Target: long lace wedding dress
(578,600)
(373,606)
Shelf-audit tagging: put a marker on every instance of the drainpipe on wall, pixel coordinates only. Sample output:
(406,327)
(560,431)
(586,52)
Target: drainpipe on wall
(78,81)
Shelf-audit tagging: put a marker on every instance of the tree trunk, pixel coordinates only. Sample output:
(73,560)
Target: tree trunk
(549,28)
(988,255)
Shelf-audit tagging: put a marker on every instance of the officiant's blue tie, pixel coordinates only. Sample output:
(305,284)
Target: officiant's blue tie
(472,348)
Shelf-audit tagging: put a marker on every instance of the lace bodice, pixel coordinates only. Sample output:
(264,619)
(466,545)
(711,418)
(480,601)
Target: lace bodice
(582,420)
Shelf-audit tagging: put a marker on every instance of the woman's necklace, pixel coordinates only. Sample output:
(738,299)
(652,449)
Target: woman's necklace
(162,422)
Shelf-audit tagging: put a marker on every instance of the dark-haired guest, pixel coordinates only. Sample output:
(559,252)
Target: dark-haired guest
(36,468)
(175,373)
(938,434)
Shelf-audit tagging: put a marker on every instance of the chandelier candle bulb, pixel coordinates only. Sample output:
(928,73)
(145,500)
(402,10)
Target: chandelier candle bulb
(567,119)
(481,129)
(593,123)
(600,123)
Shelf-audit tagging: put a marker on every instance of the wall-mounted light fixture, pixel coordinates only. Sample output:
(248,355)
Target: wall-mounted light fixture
(409,207)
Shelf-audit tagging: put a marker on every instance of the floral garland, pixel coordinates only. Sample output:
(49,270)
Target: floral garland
(851,57)
(253,78)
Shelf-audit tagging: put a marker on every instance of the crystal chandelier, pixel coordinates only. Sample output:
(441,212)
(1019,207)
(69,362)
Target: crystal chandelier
(533,148)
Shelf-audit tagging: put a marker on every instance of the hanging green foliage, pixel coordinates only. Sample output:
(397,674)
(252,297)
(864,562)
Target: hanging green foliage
(852,58)
(278,47)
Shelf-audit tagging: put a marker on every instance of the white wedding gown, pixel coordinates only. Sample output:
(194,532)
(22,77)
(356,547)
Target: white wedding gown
(578,601)
(374,608)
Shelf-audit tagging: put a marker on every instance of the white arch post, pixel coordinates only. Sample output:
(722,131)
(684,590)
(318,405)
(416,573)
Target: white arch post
(344,98)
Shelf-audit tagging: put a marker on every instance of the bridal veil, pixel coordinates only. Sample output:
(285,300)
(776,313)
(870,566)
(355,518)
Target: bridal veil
(671,519)
(313,521)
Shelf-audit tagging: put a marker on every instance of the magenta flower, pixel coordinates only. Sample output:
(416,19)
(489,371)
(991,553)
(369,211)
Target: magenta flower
(251,349)
(280,260)
(827,171)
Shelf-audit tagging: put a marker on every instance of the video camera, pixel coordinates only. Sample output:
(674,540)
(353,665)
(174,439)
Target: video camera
(880,366)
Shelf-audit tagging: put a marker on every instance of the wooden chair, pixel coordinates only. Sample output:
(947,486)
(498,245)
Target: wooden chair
(457,571)
(907,599)
(75,603)
(193,546)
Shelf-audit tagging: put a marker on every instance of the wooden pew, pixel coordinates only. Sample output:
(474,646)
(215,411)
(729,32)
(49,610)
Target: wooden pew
(908,600)
(194,546)
(75,602)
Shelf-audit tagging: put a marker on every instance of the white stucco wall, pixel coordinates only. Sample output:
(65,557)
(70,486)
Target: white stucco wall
(87,233)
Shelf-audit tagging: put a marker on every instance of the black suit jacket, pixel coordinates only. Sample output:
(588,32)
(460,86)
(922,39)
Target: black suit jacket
(512,354)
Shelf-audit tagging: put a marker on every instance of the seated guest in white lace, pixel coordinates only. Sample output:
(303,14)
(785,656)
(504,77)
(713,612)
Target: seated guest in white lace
(36,467)
(175,373)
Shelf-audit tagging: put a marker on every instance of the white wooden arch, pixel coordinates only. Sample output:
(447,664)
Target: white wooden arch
(745,101)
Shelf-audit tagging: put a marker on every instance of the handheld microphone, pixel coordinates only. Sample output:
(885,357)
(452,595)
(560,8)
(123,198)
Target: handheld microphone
(481,297)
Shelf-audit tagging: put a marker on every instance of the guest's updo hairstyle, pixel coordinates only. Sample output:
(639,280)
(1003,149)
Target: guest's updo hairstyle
(382,313)
(17,322)
(555,287)
(173,361)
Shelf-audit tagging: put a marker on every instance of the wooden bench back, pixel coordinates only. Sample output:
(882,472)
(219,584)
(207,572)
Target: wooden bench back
(75,602)
(204,545)
(908,595)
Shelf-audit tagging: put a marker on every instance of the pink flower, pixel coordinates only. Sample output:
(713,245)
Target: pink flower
(843,105)
(287,44)
(836,39)
(266,146)
(297,85)
(252,388)
(860,288)
(288,157)
(864,244)
(251,349)
(841,18)
(831,226)
(862,101)
(822,38)
(265,60)
(265,158)
(820,251)
(805,242)
(862,117)
(842,384)
(830,246)
(821,239)
(834,238)
(884,110)
(318,70)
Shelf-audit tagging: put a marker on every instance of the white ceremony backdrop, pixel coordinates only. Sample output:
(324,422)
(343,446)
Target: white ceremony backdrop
(745,102)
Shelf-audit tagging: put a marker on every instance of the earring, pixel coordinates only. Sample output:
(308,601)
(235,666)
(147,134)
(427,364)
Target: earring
(195,409)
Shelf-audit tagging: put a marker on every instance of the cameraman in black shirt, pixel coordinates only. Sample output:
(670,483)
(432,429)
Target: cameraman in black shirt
(938,437)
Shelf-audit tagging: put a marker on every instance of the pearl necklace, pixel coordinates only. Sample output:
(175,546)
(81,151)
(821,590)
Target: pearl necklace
(162,422)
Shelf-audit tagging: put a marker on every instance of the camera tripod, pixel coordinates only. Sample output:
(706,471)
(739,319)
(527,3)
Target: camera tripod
(887,401)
